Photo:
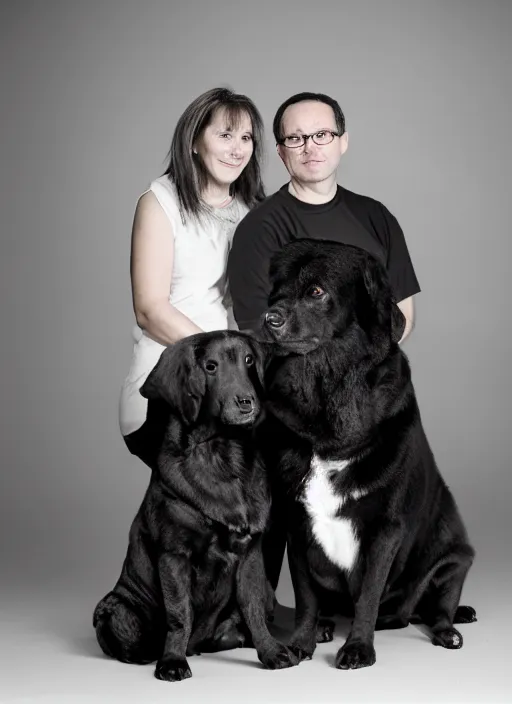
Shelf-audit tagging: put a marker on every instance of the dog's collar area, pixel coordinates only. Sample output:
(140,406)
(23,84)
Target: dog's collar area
(201,435)
(329,465)
(332,469)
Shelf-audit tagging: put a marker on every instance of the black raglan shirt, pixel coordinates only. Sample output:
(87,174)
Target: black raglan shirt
(349,218)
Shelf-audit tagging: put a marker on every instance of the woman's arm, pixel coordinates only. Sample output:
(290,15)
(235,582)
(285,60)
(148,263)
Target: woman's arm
(151,266)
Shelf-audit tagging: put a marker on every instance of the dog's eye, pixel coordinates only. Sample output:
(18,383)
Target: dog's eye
(315,292)
(211,366)
(249,360)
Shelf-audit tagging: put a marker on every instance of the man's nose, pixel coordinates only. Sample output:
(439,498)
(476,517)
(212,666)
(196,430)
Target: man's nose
(309,145)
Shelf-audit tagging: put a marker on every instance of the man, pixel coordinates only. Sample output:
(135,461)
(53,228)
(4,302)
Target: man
(309,129)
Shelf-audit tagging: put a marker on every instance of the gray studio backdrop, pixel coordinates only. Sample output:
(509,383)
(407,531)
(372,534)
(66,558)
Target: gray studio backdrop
(90,94)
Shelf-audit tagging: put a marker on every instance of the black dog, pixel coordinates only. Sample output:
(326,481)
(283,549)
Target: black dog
(193,576)
(369,516)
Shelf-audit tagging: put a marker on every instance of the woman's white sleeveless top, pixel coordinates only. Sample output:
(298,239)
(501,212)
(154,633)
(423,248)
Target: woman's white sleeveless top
(198,288)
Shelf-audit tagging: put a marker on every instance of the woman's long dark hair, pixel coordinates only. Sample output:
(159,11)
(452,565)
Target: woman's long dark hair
(186,170)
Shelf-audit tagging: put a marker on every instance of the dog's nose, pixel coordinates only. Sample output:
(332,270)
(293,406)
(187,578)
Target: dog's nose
(274,319)
(244,403)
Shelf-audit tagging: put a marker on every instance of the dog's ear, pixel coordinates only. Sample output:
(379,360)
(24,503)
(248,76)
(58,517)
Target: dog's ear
(177,379)
(261,358)
(379,307)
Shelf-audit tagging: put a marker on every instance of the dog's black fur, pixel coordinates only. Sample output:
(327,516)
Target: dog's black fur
(193,577)
(340,388)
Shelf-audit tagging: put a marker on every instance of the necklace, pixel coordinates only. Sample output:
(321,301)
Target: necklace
(227,200)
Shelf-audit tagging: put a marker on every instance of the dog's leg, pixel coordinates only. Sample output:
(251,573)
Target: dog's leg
(358,650)
(416,605)
(230,633)
(124,633)
(305,636)
(439,607)
(274,540)
(332,603)
(252,597)
(392,613)
(174,573)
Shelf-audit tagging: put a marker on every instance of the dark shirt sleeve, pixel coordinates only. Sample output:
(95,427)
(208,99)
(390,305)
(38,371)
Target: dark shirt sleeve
(254,243)
(399,265)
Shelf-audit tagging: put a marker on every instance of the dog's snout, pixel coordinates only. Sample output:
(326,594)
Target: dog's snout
(245,402)
(274,318)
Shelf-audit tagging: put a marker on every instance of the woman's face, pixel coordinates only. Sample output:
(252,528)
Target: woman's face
(225,149)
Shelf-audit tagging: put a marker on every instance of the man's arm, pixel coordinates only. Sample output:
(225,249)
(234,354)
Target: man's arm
(407,308)
(400,270)
(254,244)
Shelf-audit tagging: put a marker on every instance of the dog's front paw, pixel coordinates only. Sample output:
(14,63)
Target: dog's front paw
(303,649)
(352,656)
(172,670)
(465,614)
(278,658)
(448,638)
(325,631)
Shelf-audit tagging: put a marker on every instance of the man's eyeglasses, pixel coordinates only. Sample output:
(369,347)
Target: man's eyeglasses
(299,140)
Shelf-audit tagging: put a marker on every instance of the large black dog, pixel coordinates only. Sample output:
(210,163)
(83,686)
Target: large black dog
(193,578)
(369,516)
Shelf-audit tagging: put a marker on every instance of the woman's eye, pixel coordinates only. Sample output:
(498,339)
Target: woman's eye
(225,135)
(249,360)
(211,367)
(316,291)
(247,138)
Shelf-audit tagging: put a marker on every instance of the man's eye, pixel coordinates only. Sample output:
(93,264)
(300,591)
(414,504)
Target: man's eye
(249,360)
(320,135)
(293,138)
(316,292)
(211,366)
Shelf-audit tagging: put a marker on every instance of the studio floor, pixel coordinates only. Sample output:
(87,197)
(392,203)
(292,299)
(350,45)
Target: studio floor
(50,656)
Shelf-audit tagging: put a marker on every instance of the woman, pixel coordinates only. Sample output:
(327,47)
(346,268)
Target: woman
(182,233)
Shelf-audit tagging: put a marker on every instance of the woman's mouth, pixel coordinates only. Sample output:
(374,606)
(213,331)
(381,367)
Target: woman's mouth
(231,165)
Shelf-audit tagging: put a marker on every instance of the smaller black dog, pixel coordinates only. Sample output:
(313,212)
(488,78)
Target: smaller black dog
(193,577)
(370,518)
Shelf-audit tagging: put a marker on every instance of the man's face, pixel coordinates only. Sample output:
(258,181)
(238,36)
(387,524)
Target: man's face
(311,163)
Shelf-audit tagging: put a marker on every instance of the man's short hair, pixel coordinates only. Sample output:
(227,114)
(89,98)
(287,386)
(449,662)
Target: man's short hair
(301,97)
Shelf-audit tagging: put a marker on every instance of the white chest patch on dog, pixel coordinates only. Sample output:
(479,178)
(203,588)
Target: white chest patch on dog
(335,535)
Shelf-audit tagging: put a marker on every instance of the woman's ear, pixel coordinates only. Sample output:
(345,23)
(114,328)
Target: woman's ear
(178,379)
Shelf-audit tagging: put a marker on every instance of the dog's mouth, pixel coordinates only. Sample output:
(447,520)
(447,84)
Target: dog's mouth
(299,346)
(240,418)
(247,419)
